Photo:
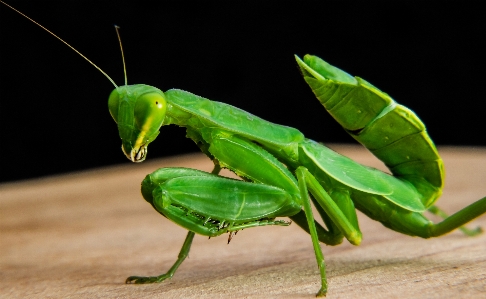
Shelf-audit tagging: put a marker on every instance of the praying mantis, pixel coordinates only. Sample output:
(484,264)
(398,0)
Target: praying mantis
(280,167)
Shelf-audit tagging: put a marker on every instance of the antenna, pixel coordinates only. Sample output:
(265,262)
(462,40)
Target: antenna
(123,56)
(106,75)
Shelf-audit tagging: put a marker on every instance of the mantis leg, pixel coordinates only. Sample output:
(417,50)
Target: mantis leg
(339,214)
(204,147)
(468,232)
(339,208)
(241,156)
(211,205)
(216,168)
(457,219)
(333,230)
(328,237)
(315,239)
(332,236)
(180,258)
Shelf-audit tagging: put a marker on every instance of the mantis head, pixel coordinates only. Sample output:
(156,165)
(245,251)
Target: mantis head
(139,111)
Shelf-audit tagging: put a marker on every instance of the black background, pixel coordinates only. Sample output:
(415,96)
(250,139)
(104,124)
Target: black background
(53,104)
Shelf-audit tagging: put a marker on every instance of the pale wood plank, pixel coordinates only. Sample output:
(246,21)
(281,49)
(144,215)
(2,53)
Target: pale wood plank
(80,235)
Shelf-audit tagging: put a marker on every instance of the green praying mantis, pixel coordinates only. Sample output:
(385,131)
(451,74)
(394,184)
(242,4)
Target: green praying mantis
(283,172)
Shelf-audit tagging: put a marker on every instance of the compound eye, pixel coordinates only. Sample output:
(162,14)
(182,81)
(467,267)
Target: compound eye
(113,104)
(149,112)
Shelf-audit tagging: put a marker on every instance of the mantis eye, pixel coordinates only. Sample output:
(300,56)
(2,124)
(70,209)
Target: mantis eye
(149,112)
(113,104)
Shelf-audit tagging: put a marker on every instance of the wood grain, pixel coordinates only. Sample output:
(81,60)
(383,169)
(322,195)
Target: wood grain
(80,235)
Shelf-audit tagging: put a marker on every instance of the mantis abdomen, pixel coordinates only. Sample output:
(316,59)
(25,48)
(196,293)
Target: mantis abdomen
(392,132)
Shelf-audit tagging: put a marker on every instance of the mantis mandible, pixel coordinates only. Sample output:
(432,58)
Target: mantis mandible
(283,172)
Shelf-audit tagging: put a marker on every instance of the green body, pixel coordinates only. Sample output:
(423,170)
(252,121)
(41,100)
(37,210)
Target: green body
(281,167)
(368,114)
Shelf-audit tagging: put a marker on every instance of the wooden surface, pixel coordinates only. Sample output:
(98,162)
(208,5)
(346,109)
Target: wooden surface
(80,235)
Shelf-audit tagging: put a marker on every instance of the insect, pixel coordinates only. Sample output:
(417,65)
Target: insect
(283,171)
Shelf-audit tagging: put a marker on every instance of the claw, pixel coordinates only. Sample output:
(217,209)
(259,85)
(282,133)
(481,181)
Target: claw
(141,279)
